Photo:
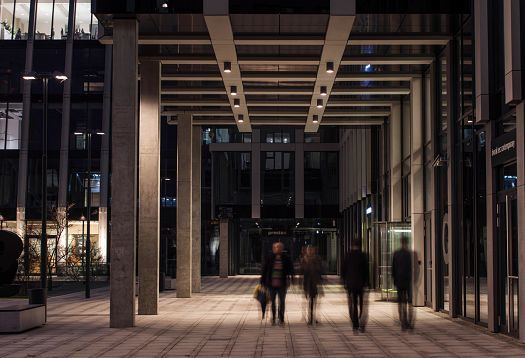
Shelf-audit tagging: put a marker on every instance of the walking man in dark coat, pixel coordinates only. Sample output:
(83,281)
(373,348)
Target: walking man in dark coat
(402,275)
(277,272)
(355,278)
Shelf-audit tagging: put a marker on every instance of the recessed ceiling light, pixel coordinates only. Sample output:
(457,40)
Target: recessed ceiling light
(319,103)
(323,91)
(315,119)
(240,118)
(233,90)
(165,5)
(236,103)
(329,67)
(227,67)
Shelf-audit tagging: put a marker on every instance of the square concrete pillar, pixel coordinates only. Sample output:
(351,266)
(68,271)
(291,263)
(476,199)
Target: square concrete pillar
(149,188)
(395,163)
(417,172)
(223,248)
(196,209)
(124,173)
(184,205)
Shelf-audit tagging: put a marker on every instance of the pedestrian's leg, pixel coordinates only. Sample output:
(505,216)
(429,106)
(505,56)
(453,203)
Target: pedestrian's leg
(311,309)
(282,299)
(355,316)
(410,310)
(273,293)
(400,306)
(361,322)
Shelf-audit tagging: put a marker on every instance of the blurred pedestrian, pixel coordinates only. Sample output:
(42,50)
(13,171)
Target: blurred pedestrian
(355,279)
(312,280)
(277,272)
(402,275)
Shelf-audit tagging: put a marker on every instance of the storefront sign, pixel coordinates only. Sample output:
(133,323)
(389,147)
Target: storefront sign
(504,148)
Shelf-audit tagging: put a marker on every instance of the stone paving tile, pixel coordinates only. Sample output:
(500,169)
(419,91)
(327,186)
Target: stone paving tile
(224,320)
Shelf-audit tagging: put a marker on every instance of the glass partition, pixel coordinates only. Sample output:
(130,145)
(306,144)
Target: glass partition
(390,235)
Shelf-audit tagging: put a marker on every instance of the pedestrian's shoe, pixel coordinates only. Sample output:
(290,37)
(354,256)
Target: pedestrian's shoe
(273,321)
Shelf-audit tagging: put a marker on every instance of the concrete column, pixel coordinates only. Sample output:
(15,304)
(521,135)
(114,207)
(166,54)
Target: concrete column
(353,168)
(368,163)
(26,114)
(520,141)
(66,114)
(256,174)
(417,170)
(432,189)
(396,185)
(149,187)
(196,209)
(481,59)
(299,173)
(453,211)
(184,206)
(359,163)
(104,157)
(223,248)
(341,170)
(513,50)
(492,202)
(124,173)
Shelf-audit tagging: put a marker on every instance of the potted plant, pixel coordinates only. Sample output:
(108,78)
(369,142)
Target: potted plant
(5,27)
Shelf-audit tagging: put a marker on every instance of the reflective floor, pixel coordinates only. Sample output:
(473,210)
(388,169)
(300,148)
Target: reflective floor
(224,320)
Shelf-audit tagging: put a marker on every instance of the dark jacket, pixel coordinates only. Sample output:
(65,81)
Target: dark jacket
(266,274)
(355,270)
(402,269)
(312,268)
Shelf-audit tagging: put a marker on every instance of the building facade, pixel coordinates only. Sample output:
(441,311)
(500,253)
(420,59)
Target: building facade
(253,122)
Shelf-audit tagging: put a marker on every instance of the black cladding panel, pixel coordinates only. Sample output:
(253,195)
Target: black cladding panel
(282,6)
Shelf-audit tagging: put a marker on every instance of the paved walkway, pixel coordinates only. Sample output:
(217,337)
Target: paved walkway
(224,320)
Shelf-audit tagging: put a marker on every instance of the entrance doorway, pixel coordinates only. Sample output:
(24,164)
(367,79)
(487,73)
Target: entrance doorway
(508,262)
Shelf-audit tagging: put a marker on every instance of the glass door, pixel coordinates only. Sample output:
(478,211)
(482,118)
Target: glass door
(508,263)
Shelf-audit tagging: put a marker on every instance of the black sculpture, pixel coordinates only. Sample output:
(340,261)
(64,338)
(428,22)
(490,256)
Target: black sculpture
(11,247)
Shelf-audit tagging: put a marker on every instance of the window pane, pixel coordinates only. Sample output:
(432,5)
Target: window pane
(6,19)
(86,26)
(10,128)
(21,19)
(60,19)
(43,20)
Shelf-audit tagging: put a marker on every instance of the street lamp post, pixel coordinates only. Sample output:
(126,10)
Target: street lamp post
(83,219)
(43,242)
(89,134)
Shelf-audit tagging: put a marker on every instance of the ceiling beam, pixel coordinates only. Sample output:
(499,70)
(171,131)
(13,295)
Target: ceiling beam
(341,121)
(287,90)
(388,60)
(340,23)
(371,91)
(288,76)
(398,39)
(394,38)
(292,60)
(220,30)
